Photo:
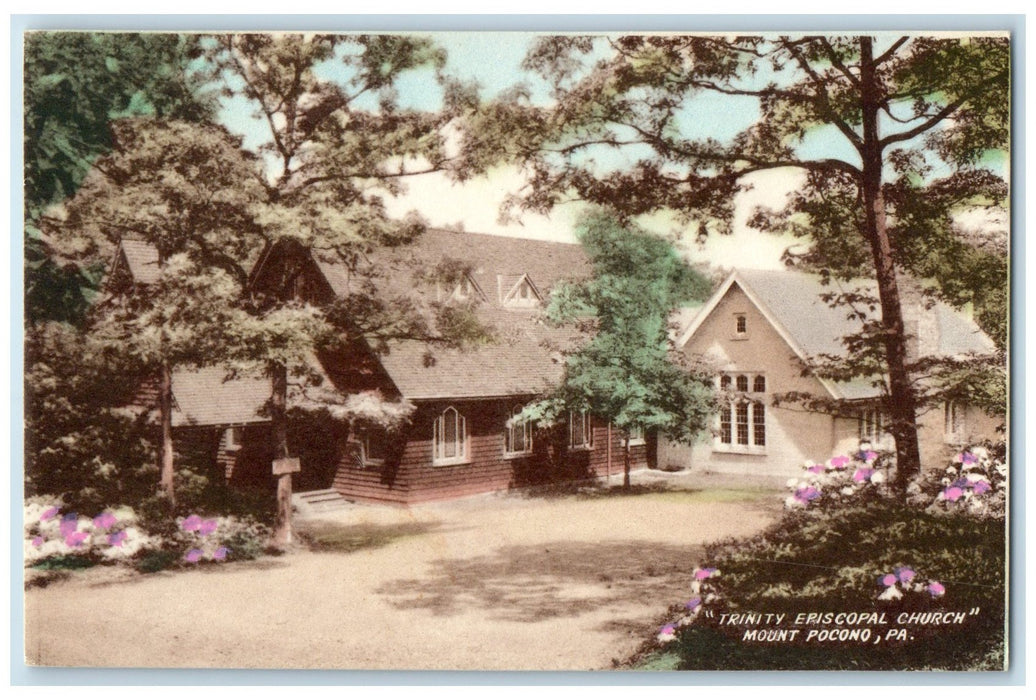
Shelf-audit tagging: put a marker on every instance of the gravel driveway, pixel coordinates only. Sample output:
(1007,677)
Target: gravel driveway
(494,582)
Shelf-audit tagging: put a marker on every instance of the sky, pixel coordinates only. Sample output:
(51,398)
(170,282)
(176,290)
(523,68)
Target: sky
(493,60)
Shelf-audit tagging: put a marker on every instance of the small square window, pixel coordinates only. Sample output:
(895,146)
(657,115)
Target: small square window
(232,438)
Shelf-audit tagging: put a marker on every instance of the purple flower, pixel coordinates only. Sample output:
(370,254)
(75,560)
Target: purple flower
(207,527)
(220,554)
(191,523)
(807,494)
(116,539)
(816,469)
(693,604)
(49,513)
(75,539)
(887,580)
(862,474)
(967,458)
(104,521)
(69,524)
(980,487)
(953,494)
(193,556)
(870,456)
(936,589)
(37,541)
(839,462)
(905,574)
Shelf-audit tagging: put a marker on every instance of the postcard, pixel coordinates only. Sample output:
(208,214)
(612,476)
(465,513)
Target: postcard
(517,351)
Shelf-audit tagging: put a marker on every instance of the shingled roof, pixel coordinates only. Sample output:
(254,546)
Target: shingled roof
(523,358)
(142,260)
(793,302)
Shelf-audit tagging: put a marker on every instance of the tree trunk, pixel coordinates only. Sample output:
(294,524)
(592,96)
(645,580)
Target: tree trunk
(626,461)
(165,454)
(279,431)
(902,399)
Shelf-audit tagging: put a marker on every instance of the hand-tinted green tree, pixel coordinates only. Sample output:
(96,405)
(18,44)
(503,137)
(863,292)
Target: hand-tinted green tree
(628,372)
(895,135)
(75,83)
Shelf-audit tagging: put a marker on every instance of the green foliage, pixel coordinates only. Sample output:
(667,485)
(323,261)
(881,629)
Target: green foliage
(76,83)
(627,373)
(832,562)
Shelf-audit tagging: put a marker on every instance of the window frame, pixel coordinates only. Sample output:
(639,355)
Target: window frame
(640,438)
(954,422)
(510,429)
(232,442)
(365,441)
(740,326)
(587,422)
(461,440)
(741,423)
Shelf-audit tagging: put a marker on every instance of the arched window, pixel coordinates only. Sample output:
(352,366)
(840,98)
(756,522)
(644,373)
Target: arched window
(450,438)
(517,436)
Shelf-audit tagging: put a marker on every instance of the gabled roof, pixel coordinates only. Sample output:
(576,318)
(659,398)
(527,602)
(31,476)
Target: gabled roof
(792,302)
(523,358)
(206,397)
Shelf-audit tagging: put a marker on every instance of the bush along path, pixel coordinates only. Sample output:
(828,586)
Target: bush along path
(58,539)
(854,578)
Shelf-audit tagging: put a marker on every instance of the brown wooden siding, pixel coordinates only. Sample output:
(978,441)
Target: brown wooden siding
(409,475)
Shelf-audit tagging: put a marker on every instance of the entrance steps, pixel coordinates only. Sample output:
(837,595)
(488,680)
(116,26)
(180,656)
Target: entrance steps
(322,501)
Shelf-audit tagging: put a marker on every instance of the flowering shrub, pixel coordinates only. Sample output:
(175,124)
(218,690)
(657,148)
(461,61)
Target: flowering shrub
(117,535)
(704,591)
(838,480)
(904,581)
(111,535)
(975,482)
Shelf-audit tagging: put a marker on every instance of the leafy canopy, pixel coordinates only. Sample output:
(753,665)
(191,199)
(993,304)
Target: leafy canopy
(628,372)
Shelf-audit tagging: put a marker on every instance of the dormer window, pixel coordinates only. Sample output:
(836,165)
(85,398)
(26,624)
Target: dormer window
(466,290)
(521,293)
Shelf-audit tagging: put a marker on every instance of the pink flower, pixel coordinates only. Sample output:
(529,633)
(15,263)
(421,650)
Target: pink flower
(104,521)
(807,494)
(905,574)
(702,574)
(816,469)
(862,474)
(220,554)
(193,556)
(839,462)
(207,527)
(980,487)
(967,458)
(49,513)
(116,539)
(870,456)
(936,589)
(888,580)
(37,541)
(953,494)
(191,523)
(69,524)
(75,539)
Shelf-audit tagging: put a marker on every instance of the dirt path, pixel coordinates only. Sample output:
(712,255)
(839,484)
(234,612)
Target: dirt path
(495,582)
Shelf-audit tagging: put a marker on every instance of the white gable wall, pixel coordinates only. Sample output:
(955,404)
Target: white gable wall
(792,434)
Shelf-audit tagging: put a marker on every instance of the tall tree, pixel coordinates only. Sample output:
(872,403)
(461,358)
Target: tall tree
(629,372)
(878,125)
(333,149)
(188,193)
(75,84)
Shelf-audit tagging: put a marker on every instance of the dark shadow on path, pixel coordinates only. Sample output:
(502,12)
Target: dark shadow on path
(557,579)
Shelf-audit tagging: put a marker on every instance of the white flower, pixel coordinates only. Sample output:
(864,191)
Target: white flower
(980,452)
(848,491)
(877,478)
(792,502)
(791,483)
(891,593)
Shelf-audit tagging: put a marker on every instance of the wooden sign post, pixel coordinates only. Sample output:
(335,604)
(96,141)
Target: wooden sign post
(283,469)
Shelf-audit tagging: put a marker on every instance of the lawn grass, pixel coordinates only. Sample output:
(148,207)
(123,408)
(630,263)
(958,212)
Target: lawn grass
(331,537)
